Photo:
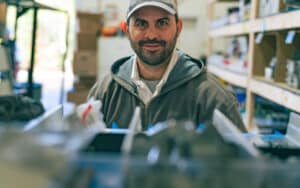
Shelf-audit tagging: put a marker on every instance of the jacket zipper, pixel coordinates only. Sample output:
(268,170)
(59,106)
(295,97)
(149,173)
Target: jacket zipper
(146,115)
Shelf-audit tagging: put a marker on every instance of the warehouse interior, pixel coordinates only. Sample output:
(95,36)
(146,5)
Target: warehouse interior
(54,135)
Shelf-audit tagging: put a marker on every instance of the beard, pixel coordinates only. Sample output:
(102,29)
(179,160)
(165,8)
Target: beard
(154,58)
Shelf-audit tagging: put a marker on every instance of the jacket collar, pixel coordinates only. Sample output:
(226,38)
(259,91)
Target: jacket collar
(185,69)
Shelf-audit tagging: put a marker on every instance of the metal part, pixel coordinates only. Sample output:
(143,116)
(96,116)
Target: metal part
(51,120)
(231,133)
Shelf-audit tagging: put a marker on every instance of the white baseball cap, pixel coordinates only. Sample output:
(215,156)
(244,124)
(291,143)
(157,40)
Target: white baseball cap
(168,5)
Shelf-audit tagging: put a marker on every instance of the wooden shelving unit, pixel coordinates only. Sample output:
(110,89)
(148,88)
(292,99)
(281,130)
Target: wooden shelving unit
(231,30)
(275,29)
(277,93)
(229,76)
(272,23)
(281,21)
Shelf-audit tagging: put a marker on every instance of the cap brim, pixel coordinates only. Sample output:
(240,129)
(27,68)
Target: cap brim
(151,3)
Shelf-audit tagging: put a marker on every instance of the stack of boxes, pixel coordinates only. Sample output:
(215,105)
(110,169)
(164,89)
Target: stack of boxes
(85,65)
(5,72)
(3,9)
(5,61)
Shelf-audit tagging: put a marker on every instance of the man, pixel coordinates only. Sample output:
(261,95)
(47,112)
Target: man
(164,82)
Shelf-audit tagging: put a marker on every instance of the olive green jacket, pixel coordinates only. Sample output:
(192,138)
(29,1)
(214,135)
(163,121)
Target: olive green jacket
(190,94)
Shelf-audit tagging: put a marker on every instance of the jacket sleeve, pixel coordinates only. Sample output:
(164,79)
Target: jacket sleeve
(215,96)
(232,113)
(229,110)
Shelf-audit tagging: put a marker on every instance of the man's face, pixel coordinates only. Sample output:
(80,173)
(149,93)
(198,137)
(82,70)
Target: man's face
(153,33)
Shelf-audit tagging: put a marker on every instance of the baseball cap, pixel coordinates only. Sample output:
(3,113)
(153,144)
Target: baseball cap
(168,5)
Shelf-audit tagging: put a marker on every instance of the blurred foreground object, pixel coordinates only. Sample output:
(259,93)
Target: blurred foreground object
(34,159)
(90,115)
(17,107)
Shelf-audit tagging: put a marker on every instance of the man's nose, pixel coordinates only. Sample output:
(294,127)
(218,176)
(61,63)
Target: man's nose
(151,32)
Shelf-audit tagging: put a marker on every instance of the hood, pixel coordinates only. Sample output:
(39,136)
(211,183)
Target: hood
(185,69)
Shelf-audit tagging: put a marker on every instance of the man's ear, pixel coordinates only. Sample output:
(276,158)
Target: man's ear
(124,27)
(179,25)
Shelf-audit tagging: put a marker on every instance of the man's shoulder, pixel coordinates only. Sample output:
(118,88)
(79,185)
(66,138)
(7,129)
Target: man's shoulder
(184,57)
(210,85)
(121,64)
(122,68)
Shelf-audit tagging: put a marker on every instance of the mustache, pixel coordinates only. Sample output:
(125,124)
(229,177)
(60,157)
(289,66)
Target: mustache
(160,42)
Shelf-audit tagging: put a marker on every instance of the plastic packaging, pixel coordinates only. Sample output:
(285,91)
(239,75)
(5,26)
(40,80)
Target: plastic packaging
(90,115)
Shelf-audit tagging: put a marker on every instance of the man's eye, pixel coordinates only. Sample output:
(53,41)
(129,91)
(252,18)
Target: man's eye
(141,24)
(163,23)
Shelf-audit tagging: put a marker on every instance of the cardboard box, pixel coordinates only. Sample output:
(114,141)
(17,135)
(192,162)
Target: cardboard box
(88,80)
(77,97)
(87,42)
(82,86)
(89,23)
(3,10)
(84,83)
(85,63)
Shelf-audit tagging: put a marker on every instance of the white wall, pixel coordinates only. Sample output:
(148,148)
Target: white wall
(193,38)
(110,50)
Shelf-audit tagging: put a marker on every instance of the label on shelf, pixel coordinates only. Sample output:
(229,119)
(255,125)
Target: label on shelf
(290,37)
(263,25)
(259,38)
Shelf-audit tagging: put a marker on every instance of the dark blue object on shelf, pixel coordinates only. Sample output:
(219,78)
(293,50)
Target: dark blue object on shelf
(22,88)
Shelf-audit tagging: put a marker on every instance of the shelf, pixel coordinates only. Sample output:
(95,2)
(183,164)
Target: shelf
(273,44)
(281,21)
(231,77)
(278,93)
(230,30)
